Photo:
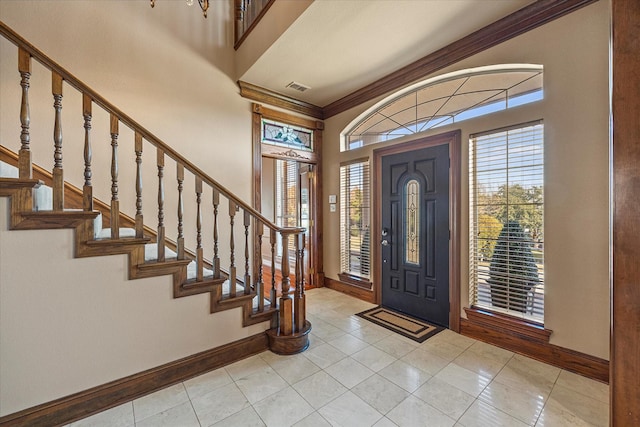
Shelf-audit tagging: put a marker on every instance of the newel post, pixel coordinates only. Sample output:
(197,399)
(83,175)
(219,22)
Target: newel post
(291,334)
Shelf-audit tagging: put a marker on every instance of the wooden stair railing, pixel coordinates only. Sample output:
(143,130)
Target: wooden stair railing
(289,333)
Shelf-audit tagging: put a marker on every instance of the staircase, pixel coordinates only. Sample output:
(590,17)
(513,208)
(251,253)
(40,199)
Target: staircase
(41,199)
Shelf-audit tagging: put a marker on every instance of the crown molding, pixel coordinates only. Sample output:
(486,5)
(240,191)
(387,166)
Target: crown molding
(266,96)
(515,24)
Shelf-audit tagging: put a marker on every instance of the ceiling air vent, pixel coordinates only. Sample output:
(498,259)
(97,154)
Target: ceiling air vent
(298,86)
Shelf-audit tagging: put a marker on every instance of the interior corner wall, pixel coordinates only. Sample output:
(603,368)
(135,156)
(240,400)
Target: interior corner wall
(574,52)
(69,324)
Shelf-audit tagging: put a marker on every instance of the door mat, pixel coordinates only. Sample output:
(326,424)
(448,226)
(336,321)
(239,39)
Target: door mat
(410,327)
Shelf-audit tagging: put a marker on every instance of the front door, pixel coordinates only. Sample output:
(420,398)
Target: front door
(415,233)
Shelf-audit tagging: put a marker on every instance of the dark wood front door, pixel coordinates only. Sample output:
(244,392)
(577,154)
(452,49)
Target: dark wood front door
(415,233)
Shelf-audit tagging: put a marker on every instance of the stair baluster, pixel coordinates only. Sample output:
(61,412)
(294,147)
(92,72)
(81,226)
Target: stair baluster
(216,255)
(247,277)
(115,203)
(288,334)
(180,178)
(87,188)
(274,293)
(24,160)
(299,299)
(199,251)
(139,217)
(232,268)
(161,241)
(58,175)
(259,281)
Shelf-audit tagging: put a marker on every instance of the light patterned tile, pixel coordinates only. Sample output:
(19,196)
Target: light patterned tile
(349,410)
(159,401)
(293,368)
(422,358)
(348,344)
(481,414)
(385,422)
(326,331)
(396,346)
(245,418)
(404,375)
(480,363)
(580,406)
(182,415)
(349,372)
(463,379)
(319,389)
(583,385)
(373,358)
(261,384)
(450,400)
(414,412)
(324,355)
(219,404)
(528,374)
(525,406)
(380,393)
(246,367)
(283,408)
(313,420)
(206,383)
(120,416)
(442,349)
(371,333)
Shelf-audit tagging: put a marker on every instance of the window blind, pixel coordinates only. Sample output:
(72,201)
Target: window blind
(506,201)
(355,219)
(286,199)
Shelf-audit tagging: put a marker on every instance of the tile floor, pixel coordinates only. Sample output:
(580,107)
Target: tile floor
(358,374)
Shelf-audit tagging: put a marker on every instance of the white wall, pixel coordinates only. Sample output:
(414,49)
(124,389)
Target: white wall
(574,53)
(67,324)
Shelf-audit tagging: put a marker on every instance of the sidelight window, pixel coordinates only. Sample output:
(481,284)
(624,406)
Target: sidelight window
(355,233)
(506,206)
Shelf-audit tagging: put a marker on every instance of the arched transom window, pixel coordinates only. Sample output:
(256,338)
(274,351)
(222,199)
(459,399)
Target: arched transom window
(446,99)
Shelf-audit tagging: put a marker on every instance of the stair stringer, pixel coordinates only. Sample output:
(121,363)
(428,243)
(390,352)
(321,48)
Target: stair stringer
(20,194)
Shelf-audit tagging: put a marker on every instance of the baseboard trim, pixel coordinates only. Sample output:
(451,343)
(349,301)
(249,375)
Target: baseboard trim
(570,360)
(96,399)
(354,291)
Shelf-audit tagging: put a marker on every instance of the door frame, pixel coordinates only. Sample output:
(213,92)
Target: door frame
(258,113)
(452,138)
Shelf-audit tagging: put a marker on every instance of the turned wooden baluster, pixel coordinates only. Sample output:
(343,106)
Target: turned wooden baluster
(139,217)
(286,306)
(199,251)
(216,257)
(160,161)
(247,277)
(24,155)
(299,298)
(87,188)
(259,281)
(180,177)
(115,203)
(274,292)
(58,175)
(232,269)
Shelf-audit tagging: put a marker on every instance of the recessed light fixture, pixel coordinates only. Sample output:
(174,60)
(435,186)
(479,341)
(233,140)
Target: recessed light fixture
(298,86)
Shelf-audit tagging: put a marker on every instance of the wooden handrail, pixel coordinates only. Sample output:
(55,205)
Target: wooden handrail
(72,80)
(290,328)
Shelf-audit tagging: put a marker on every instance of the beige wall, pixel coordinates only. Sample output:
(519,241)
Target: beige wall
(574,53)
(70,324)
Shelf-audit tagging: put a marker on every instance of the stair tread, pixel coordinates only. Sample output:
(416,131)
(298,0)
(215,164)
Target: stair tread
(121,241)
(167,262)
(20,183)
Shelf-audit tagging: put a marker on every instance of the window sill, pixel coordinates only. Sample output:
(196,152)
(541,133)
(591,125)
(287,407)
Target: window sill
(355,281)
(508,324)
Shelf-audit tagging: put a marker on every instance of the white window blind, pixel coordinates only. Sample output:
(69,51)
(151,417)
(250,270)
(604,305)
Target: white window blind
(355,232)
(506,205)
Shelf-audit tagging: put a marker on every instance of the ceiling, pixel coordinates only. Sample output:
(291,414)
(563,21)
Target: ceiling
(338,46)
